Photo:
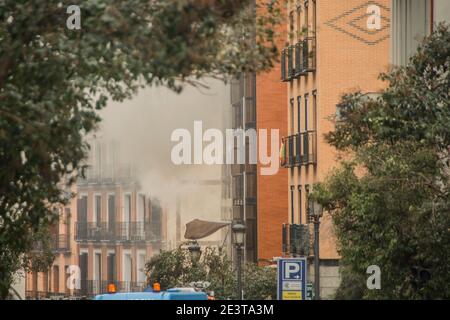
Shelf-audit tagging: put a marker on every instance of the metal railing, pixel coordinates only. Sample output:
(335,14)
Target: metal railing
(87,289)
(118,231)
(58,243)
(61,242)
(298,59)
(309,54)
(295,239)
(308,149)
(107,173)
(300,149)
(91,288)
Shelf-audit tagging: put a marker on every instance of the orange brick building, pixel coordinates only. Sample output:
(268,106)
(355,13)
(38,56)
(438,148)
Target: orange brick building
(272,199)
(333,47)
(105,235)
(260,201)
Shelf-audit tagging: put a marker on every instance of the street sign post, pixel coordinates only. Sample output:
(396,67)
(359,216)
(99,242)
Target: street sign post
(309,291)
(291,279)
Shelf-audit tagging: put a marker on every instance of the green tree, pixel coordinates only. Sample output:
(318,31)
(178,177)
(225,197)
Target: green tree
(53,80)
(390,204)
(174,268)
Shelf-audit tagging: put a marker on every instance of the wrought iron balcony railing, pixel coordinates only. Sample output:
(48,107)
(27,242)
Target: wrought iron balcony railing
(300,149)
(58,243)
(299,59)
(118,231)
(307,147)
(309,54)
(295,239)
(87,289)
(93,287)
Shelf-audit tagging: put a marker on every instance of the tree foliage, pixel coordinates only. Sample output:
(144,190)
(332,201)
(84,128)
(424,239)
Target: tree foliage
(174,268)
(390,204)
(53,80)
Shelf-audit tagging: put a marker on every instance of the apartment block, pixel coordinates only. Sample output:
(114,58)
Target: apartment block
(53,282)
(106,235)
(333,47)
(260,201)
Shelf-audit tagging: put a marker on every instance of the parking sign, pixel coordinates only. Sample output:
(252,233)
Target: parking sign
(292,279)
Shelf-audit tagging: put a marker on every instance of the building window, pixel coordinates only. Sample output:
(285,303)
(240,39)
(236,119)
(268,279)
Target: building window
(299,111)
(98,266)
(292,204)
(291,24)
(306,19)
(306,111)
(56,279)
(314,19)
(292,116)
(111,267)
(111,210)
(314,107)
(97,209)
(140,266)
(82,209)
(127,208)
(300,211)
(299,23)
(141,208)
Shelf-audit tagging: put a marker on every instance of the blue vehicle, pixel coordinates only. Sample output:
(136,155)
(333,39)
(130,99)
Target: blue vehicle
(150,294)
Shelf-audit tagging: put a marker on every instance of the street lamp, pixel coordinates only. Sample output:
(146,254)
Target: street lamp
(316,211)
(195,251)
(239,235)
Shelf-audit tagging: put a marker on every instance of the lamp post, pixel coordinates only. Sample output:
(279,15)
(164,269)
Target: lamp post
(195,252)
(316,212)
(238,234)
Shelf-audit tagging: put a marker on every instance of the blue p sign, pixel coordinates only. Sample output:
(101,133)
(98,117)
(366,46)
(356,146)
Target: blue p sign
(292,270)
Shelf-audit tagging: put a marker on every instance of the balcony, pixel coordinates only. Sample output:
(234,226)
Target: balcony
(88,289)
(107,174)
(59,243)
(300,149)
(299,59)
(309,54)
(119,231)
(296,239)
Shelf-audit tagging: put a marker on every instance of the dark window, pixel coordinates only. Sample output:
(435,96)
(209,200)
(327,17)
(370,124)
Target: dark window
(98,209)
(111,267)
(111,210)
(292,204)
(299,22)
(306,111)
(306,26)
(156,219)
(299,111)
(292,116)
(66,278)
(299,188)
(56,279)
(314,106)
(314,19)
(82,209)
(83,260)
